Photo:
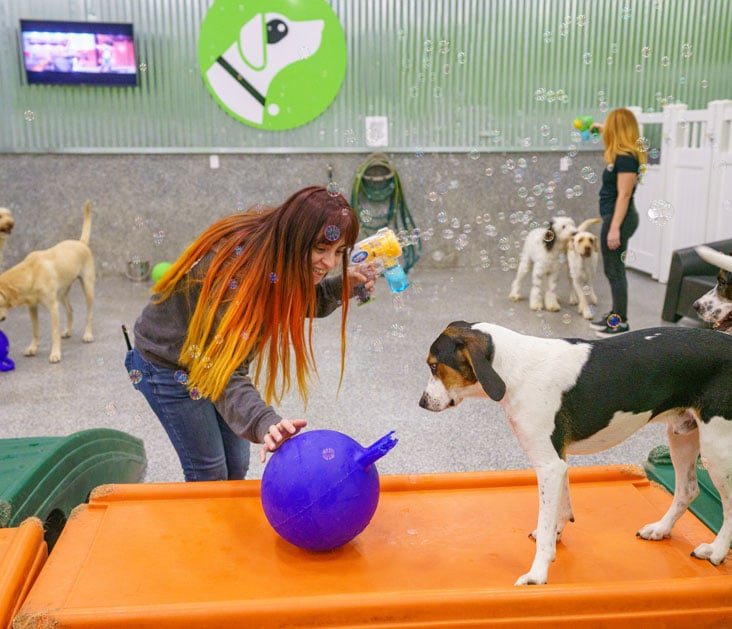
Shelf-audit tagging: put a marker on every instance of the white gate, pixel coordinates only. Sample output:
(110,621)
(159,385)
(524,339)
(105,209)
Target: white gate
(694,175)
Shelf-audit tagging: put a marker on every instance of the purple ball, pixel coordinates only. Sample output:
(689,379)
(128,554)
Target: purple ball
(321,488)
(5,363)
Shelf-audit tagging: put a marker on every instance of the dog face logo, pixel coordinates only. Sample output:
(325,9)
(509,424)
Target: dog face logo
(273,65)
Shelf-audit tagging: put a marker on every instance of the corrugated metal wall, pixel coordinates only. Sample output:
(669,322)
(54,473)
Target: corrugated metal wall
(462,75)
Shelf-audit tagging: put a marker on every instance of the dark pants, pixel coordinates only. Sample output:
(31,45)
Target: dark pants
(613,261)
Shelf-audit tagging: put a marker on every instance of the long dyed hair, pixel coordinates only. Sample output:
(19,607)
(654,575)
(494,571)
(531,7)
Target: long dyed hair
(258,290)
(620,133)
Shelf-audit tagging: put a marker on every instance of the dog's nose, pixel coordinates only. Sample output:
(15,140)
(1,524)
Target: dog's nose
(696,305)
(423,401)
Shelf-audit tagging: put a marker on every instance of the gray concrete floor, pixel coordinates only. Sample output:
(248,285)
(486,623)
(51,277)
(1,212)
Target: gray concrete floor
(384,377)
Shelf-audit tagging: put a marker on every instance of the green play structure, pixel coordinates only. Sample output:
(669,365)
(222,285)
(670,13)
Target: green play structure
(47,477)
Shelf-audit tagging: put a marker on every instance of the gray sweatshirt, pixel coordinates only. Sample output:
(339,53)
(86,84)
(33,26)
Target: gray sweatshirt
(160,332)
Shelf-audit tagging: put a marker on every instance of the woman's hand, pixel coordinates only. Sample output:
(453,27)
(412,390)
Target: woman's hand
(278,434)
(613,238)
(362,275)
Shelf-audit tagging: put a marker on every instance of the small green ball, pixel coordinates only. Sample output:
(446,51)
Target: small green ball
(159,270)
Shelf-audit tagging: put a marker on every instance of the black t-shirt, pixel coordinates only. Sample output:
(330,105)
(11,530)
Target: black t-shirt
(609,190)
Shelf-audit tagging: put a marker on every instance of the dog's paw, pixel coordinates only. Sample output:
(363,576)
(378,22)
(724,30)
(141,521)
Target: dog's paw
(54,358)
(514,297)
(88,338)
(586,313)
(30,350)
(654,532)
(707,551)
(573,301)
(530,579)
(66,334)
(552,306)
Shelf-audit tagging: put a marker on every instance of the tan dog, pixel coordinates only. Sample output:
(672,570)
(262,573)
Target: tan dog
(582,256)
(44,277)
(6,226)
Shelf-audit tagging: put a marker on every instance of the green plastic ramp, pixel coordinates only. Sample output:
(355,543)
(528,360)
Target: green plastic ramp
(47,477)
(707,506)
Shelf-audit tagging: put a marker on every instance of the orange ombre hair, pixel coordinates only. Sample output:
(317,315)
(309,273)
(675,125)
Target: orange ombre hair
(257,291)
(620,134)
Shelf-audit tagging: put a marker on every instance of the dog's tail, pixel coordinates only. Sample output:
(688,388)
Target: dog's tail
(586,223)
(86,228)
(717,258)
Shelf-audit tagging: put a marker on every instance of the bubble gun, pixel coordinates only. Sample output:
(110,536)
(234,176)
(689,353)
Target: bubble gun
(584,126)
(382,249)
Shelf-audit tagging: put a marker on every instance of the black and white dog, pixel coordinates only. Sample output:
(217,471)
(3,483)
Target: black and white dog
(715,307)
(573,396)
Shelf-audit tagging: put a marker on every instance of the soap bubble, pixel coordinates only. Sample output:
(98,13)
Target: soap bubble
(613,320)
(660,212)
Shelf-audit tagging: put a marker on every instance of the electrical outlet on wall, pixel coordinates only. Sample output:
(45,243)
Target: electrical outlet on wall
(377,131)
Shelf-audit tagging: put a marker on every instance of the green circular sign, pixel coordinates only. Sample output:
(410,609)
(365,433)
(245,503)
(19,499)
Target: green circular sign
(272,64)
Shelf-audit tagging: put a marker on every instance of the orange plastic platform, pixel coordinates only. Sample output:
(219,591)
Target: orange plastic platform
(22,554)
(442,551)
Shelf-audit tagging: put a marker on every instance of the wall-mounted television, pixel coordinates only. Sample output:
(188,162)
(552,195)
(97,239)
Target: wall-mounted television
(78,53)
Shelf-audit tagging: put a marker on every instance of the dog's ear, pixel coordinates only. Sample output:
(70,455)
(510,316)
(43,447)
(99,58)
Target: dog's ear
(595,243)
(479,346)
(253,42)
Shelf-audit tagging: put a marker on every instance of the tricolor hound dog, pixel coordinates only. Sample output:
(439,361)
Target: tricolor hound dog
(572,396)
(716,306)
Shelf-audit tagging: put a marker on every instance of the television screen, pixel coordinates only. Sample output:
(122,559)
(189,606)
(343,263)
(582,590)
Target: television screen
(78,53)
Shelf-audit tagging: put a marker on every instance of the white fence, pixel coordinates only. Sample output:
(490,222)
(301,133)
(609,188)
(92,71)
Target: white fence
(694,175)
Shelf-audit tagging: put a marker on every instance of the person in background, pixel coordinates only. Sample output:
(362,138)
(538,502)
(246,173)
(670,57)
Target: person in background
(625,158)
(245,290)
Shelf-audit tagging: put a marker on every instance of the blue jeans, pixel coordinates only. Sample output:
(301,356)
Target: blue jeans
(613,261)
(207,448)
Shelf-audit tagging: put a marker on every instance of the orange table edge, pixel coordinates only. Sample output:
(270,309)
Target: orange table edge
(442,550)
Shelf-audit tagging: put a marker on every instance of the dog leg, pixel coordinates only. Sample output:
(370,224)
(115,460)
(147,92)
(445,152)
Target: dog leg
(582,306)
(551,303)
(684,449)
(33,347)
(55,355)
(87,284)
(523,269)
(551,477)
(565,507)
(716,444)
(536,301)
(591,297)
(64,299)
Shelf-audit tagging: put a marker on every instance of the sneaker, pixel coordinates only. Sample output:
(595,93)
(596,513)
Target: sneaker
(613,331)
(601,322)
